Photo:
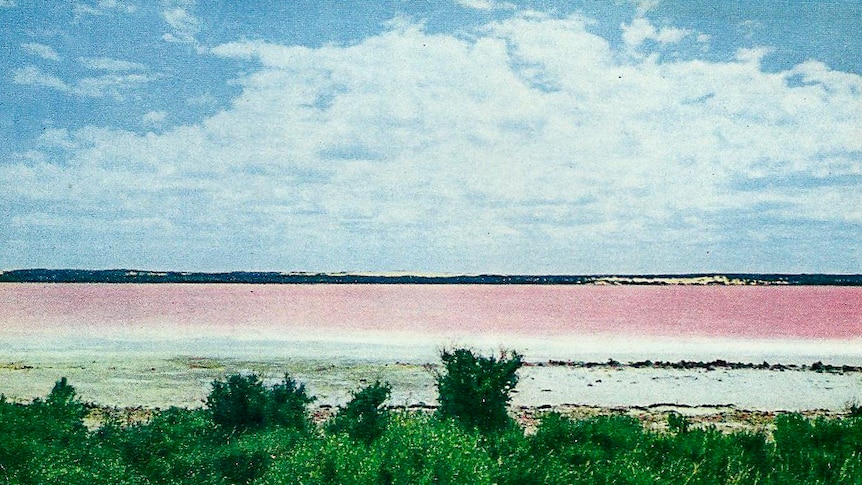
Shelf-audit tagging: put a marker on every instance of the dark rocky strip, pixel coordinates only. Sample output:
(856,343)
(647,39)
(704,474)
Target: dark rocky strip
(818,366)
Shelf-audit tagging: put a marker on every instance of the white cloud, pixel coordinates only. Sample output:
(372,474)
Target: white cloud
(204,100)
(753,55)
(117,5)
(155,118)
(485,4)
(7,3)
(530,147)
(41,50)
(110,85)
(57,137)
(749,28)
(32,75)
(102,8)
(641,30)
(644,6)
(108,64)
(184,26)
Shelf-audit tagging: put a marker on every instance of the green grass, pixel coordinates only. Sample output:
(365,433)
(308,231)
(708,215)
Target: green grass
(46,442)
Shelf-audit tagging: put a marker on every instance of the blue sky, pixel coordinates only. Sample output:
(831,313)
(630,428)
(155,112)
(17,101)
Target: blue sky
(458,136)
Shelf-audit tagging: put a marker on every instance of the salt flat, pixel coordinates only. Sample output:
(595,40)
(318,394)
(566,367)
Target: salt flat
(179,373)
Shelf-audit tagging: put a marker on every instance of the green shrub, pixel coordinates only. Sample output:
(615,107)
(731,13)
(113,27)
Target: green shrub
(597,439)
(421,449)
(364,418)
(288,404)
(415,449)
(242,403)
(176,446)
(47,442)
(475,390)
(61,413)
(677,423)
(818,450)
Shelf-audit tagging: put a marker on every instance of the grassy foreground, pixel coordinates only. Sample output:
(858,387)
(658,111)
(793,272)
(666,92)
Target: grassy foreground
(252,433)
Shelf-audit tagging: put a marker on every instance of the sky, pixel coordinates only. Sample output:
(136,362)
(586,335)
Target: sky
(450,136)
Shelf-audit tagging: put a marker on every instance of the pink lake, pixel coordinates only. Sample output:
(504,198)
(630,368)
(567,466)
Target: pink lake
(535,311)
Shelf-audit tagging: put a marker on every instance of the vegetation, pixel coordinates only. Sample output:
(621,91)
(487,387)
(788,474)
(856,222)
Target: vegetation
(250,433)
(243,403)
(364,418)
(475,390)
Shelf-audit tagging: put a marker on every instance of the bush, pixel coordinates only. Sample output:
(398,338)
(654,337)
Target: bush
(597,439)
(287,405)
(47,442)
(474,390)
(677,423)
(243,403)
(363,418)
(818,450)
(176,446)
(414,450)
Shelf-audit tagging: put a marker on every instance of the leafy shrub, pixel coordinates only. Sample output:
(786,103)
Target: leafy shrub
(176,446)
(47,442)
(677,423)
(577,442)
(415,449)
(62,412)
(363,418)
(422,449)
(474,390)
(242,403)
(818,450)
(288,404)
(239,464)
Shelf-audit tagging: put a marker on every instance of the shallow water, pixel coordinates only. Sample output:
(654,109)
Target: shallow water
(551,321)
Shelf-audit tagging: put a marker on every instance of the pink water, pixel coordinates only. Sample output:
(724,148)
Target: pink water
(756,312)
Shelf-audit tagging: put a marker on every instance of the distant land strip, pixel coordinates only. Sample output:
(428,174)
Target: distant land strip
(257,277)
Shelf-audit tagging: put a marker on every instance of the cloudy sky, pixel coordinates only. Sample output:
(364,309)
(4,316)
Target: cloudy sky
(455,136)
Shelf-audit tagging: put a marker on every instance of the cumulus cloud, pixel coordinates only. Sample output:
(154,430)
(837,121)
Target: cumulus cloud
(529,146)
(41,50)
(644,6)
(641,30)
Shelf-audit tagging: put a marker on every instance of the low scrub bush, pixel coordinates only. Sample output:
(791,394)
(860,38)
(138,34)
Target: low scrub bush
(475,390)
(242,403)
(364,418)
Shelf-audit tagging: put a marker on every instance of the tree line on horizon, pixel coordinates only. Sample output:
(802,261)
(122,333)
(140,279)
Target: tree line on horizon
(40,275)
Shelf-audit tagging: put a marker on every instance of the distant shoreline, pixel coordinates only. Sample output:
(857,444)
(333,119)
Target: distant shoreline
(257,277)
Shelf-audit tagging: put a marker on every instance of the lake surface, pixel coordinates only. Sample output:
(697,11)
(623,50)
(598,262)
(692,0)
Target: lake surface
(611,319)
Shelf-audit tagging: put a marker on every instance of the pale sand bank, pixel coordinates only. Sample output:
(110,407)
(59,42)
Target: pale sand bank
(179,373)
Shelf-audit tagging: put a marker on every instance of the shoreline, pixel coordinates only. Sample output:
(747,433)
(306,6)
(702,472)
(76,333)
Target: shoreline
(725,418)
(125,380)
